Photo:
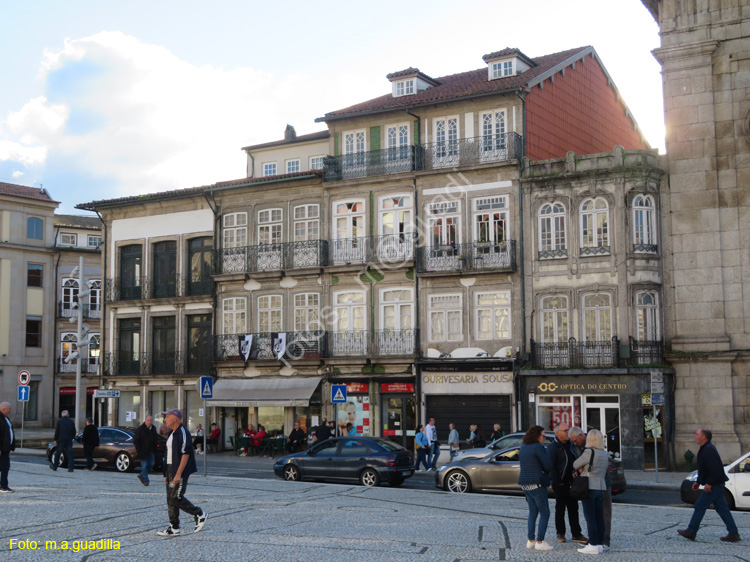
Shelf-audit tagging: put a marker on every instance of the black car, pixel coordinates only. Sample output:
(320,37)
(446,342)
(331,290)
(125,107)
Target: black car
(115,448)
(367,460)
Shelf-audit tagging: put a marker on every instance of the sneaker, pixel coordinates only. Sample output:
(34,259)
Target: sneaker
(200,520)
(169,532)
(728,538)
(589,549)
(561,538)
(604,547)
(94,467)
(581,539)
(542,546)
(9,491)
(52,466)
(687,534)
(143,480)
(530,545)
(243,454)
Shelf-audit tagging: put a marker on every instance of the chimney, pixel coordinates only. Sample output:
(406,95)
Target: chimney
(290,133)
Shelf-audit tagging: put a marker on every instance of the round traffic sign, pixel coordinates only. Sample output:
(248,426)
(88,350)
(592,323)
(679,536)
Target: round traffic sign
(24,377)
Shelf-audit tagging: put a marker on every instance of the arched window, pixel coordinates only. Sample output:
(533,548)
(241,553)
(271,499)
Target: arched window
(647,314)
(644,224)
(555,319)
(552,237)
(69,297)
(594,227)
(597,317)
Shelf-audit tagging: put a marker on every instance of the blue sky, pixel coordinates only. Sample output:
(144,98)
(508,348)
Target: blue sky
(103,99)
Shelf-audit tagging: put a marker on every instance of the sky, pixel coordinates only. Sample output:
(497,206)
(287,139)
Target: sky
(102,99)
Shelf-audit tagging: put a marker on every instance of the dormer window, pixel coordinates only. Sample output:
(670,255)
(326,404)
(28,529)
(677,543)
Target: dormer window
(501,69)
(404,87)
(507,62)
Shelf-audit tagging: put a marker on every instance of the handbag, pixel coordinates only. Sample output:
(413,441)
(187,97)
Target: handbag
(579,489)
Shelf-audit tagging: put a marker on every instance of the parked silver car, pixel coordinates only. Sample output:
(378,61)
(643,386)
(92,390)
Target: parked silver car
(504,442)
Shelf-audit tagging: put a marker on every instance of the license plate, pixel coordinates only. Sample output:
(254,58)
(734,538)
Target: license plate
(406,473)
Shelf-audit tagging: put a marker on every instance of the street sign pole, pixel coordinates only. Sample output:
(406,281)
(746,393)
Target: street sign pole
(205,386)
(205,456)
(657,393)
(23,417)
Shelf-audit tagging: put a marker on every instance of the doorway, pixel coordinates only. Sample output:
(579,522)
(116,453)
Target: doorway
(603,413)
(400,419)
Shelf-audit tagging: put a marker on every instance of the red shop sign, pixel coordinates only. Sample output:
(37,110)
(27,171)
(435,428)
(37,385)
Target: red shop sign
(397,387)
(357,388)
(72,389)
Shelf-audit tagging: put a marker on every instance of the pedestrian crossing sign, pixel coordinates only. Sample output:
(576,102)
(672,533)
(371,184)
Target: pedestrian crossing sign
(338,393)
(206,387)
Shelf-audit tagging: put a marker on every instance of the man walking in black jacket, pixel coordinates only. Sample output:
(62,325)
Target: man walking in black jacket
(90,442)
(711,476)
(562,457)
(7,444)
(145,445)
(65,431)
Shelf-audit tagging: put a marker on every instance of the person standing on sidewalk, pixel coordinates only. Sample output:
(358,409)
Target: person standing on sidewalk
(711,476)
(65,431)
(562,457)
(423,449)
(432,440)
(145,439)
(7,444)
(534,479)
(179,464)
(90,441)
(594,463)
(453,441)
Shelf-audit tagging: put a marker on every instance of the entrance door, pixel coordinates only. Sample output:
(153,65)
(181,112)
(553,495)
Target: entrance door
(603,413)
(400,420)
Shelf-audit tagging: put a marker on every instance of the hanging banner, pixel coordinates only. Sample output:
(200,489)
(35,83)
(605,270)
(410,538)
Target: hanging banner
(246,345)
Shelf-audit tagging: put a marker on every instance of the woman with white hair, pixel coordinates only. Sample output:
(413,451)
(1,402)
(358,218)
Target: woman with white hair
(594,463)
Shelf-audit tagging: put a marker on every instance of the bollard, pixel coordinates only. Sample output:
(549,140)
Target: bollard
(689,459)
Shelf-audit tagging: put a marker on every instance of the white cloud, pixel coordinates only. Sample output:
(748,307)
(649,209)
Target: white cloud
(26,155)
(17,174)
(38,120)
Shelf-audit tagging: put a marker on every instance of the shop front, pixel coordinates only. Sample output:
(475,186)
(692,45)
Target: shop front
(618,405)
(399,412)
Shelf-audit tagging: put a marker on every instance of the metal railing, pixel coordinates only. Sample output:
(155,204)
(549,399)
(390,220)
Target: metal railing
(389,249)
(471,151)
(128,363)
(572,354)
(144,287)
(474,256)
(552,254)
(645,248)
(69,310)
(271,257)
(87,367)
(373,163)
(594,251)
(299,345)
(646,352)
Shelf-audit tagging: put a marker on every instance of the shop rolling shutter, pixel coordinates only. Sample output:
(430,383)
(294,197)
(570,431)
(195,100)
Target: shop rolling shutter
(464,410)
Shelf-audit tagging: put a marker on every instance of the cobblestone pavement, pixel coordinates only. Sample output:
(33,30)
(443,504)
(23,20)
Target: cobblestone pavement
(273,520)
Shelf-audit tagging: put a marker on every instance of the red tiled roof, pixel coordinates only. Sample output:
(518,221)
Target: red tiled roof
(510,51)
(263,179)
(408,72)
(88,222)
(40,194)
(456,86)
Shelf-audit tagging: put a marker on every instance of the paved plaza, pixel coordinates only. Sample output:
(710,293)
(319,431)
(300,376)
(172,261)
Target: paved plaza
(273,520)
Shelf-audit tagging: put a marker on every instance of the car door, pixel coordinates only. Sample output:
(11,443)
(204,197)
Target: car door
(320,460)
(501,470)
(739,482)
(354,456)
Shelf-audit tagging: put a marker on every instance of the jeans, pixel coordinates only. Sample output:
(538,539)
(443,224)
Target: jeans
(593,510)
(422,458)
(176,501)
(147,464)
(4,468)
(563,501)
(68,447)
(716,497)
(435,451)
(538,506)
(89,452)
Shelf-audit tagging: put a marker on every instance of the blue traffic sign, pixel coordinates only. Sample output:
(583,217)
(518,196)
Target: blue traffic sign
(338,393)
(657,399)
(23,393)
(206,387)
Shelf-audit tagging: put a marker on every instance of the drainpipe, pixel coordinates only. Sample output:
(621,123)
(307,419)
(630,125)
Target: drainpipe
(417,370)
(522,259)
(103,321)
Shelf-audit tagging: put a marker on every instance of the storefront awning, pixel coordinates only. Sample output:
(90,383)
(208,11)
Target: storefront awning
(277,391)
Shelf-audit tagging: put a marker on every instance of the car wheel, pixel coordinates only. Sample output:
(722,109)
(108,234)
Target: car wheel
(369,477)
(123,462)
(730,499)
(396,482)
(291,473)
(458,482)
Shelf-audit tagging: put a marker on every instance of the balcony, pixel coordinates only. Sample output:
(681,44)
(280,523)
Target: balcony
(392,249)
(299,345)
(373,163)
(142,288)
(271,257)
(128,363)
(646,352)
(468,152)
(594,251)
(474,256)
(380,343)
(575,354)
(69,310)
(89,367)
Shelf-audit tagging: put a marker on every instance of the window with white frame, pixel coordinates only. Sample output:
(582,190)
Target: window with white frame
(597,317)
(269,226)
(396,215)
(94,241)
(595,224)
(502,68)
(234,230)
(349,217)
(269,168)
(555,319)
(95,347)
(446,317)
(444,223)
(316,162)
(552,239)
(68,345)
(270,313)
(354,142)
(307,312)
(95,298)
(349,311)
(493,131)
(647,313)
(396,309)
(234,315)
(397,141)
(68,239)
(404,87)
(491,219)
(69,297)
(492,315)
(445,131)
(644,224)
(292,166)
(306,222)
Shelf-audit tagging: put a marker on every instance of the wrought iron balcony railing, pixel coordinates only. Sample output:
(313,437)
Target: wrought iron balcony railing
(88,367)
(474,256)
(143,287)
(573,354)
(594,250)
(646,352)
(380,343)
(129,363)
(373,163)
(271,257)
(552,254)
(645,248)
(69,310)
(477,150)
(390,249)
(270,346)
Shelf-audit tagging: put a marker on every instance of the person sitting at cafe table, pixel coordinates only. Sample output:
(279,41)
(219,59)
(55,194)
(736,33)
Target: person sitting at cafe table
(296,438)
(257,440)
(213,437)
(249,432)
